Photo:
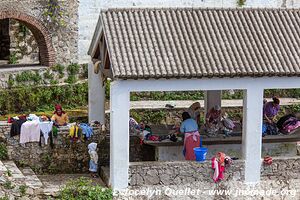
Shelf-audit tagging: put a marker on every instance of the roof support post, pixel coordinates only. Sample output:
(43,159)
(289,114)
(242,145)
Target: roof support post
(119,135)
(252,136)
(212,98)
(96,96)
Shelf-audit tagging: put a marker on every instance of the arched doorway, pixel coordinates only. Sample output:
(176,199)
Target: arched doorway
(40,32)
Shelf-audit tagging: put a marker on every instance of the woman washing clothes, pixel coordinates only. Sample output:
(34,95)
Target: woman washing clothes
(60,117)
(189,128)
(213,119)
(270,110)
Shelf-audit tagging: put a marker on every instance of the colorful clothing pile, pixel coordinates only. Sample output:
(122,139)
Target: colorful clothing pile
(218,165)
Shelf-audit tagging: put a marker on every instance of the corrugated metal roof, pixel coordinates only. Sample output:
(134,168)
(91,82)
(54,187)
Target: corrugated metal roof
(196,43)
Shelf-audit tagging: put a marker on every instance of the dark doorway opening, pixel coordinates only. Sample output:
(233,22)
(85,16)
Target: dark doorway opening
(4,40)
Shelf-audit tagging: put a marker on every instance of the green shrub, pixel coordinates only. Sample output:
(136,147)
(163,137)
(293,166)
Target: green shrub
(58,68)
(13,58)
(71,79)
(31,99)
(22,189)
(11,81)
(83,188)
(3,152)
(85,70)
(8,185)
(48,75)
(73,69)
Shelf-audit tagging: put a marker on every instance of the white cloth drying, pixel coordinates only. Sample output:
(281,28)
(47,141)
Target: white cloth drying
(46,128)
(30,132)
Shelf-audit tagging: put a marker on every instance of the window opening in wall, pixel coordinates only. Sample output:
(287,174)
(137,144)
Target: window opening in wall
(18,45)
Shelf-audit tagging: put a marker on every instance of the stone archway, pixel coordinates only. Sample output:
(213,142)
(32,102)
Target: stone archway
(40,32)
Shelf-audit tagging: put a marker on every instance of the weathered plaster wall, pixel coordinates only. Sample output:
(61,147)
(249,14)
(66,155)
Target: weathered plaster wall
(88,13)
(64,38)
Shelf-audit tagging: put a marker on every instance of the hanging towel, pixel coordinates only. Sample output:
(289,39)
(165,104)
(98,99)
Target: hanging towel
(30,132)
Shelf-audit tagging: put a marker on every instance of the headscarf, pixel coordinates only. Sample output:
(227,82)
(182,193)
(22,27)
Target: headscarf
(58,107)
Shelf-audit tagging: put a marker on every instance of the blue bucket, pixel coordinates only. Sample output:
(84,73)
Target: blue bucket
(200,153)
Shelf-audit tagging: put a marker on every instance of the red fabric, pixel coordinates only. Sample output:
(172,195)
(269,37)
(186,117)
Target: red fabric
(190,144)
(154,138)
(221,167)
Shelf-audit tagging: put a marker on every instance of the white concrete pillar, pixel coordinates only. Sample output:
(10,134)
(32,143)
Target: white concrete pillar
(252,136)
(96,96)
(119,135)
(212,98)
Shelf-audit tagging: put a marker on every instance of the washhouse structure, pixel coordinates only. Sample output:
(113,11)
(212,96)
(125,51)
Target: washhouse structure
(185,49)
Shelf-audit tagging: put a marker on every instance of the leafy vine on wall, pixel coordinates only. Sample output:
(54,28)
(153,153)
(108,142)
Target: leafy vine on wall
(54,13)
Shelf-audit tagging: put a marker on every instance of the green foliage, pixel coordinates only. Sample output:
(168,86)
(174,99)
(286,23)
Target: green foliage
(85,70)
(291,93)
(83,188)
(11,81)
(8,172)
(58,68)
(48,75)
(71,79)
(293,108)
(8,185)
(3,152)
(165,96)
(22,189)
(31,99)
(241,3)
(13,58)
(149,116)
(53,82)
(73,69)
(23,29)
(107,89)
(4,198)
(54,13)
(27,76)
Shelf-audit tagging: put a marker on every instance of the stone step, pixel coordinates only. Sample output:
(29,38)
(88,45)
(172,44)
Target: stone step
(31,179)
(2,168)
(14,170)
(104,174)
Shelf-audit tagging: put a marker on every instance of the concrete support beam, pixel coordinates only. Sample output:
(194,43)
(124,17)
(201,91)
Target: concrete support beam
(212,98)
(252,136)
(96,96)
(119,135)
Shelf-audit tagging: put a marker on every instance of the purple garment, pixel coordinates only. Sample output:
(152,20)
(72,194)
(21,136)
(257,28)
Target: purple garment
(270,110)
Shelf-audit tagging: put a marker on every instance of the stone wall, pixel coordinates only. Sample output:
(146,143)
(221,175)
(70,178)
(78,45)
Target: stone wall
(49,76)
(65,157)
(22,43)
(283,168)
(177,173)
(63,37)
(190,180)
